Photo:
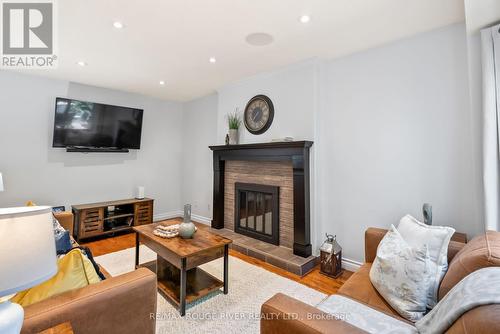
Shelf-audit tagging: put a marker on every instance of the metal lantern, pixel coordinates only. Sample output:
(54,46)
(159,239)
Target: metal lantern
(331,257)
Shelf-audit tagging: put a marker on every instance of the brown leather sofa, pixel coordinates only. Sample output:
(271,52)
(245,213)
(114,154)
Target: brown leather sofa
(124,304)
(284,314)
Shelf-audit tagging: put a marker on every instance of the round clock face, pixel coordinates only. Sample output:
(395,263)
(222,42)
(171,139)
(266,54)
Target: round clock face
(259,114)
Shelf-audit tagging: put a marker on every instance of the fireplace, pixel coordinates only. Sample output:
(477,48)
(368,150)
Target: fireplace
(283,165)
(256,211)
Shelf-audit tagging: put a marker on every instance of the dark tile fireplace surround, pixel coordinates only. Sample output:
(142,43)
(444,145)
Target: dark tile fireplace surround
(257,207)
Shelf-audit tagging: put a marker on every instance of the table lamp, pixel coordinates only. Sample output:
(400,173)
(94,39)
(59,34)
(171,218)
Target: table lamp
(27,258)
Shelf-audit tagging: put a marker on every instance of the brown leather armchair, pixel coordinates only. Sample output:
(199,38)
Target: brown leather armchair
(124,304)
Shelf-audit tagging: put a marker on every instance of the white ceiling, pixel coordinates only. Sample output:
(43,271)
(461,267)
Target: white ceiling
(172,40)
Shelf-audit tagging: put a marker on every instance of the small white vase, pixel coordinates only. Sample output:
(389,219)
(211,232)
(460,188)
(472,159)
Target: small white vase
(187,228)
(233,136)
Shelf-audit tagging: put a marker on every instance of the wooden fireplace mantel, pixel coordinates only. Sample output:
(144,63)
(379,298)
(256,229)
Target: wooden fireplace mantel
(298,153)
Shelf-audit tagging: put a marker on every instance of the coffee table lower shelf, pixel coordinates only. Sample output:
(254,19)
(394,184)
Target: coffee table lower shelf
(199,283)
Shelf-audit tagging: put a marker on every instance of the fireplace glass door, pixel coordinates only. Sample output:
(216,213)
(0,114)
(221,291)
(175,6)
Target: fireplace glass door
(257,211)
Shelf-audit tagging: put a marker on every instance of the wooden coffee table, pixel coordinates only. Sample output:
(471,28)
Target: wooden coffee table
(180,280)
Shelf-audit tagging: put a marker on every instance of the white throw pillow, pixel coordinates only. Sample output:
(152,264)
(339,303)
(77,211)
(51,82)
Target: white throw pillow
(400,273)
(437,239)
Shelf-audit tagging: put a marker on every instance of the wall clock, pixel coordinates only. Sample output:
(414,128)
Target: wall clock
(259,114)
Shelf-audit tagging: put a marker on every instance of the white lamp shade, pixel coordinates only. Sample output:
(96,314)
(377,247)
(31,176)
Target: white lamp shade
(27,248)
(1,182)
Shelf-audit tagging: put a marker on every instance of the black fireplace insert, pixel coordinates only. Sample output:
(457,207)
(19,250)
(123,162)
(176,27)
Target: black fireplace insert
(256,211)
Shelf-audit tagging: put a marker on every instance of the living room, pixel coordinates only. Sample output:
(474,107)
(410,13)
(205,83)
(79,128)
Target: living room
(262,166)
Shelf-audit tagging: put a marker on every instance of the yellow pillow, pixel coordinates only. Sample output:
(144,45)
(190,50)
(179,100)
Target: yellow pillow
(74,271)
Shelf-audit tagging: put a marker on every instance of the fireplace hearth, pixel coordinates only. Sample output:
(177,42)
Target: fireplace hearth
(256,212)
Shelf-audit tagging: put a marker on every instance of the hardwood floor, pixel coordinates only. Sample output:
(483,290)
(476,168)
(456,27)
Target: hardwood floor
(110,245)
(314,279)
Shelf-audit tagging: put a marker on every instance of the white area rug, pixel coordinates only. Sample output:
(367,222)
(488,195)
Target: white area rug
(236,312)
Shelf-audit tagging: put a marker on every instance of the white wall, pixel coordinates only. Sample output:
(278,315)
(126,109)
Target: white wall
(481,14)
(33,170)
(394,133)
(292,90)
(199,132)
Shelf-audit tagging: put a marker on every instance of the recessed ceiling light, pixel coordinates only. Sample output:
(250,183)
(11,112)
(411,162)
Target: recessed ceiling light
(212,60)
(259,39)
(81,63)
(117,24)
(305,18)
(162,83)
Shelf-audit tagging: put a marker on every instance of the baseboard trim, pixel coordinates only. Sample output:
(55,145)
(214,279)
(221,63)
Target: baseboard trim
(202,219)
(167,215)
(351,265)
(180,213)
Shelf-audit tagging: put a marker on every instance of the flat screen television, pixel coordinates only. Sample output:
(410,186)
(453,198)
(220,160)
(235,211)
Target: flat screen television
(81,124)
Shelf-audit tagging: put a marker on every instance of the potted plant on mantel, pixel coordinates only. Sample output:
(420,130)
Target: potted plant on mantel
(234,122)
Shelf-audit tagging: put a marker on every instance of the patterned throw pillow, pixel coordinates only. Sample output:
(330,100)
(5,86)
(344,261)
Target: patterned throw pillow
(62,237)
(437,239)
(401,274)
(57,226)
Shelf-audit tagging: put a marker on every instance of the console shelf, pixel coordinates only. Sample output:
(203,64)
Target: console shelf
(105,218)
(119,216)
